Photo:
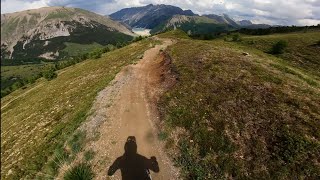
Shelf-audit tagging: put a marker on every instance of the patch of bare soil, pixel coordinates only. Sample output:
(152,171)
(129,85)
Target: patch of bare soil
(127,107)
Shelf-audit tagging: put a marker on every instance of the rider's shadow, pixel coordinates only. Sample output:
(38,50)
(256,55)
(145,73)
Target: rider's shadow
(132,164)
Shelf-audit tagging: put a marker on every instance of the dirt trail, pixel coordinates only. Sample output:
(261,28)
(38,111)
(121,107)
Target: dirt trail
(125,109)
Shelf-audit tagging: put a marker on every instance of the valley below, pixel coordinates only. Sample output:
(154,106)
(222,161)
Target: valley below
(142,31)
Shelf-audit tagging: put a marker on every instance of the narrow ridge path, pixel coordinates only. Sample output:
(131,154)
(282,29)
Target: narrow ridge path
(129,112)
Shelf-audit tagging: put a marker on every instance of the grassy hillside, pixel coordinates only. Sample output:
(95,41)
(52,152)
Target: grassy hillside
(302,51)
(37,121)
(194,25)
(242,117)
(74,49)
(16,73)
(12,74)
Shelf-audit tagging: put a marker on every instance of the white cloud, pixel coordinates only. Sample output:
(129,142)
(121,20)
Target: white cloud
(284,12)
(308,22)
(8,6)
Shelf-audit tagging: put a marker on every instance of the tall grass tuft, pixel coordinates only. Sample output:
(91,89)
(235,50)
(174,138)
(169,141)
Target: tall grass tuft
(81,171)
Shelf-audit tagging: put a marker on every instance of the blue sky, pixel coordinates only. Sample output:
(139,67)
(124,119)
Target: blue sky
(282,12)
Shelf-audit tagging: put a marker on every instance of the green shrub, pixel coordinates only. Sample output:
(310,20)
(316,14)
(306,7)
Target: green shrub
(96,56)
(163,135)
(279,47)
(5,92)
(88,155)
(77,142)
(60,156)
(81,171)
(17,85)
(120,45)
(236,37)
(138,38)
(49,74)
(96,53)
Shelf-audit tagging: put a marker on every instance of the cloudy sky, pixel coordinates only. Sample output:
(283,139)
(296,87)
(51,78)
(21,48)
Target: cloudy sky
(282,12)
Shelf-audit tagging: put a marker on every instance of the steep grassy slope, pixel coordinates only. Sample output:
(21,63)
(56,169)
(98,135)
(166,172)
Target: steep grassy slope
(36,122)
(302,51)
(240,117)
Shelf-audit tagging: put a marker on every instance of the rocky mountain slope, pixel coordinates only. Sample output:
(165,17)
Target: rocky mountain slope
(42,32)
(148,16)
(224,19)
(164,17)
(193,25)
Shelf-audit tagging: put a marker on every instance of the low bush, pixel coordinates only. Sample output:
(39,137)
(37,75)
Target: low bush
(88,155)
(77,141)
(60,156)
(279,47)
(236,37)
(50,74)
(138,38)
(81,171)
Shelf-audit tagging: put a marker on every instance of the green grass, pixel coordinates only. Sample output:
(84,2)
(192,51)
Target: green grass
(80,172)
(301,53)
(88,155)
(59,157)
(287,70)
(66,154)
(74,49)
(77,142)
(21,71)
(163,136)
(245,117)
(174,34)
(10,74)
(37,120)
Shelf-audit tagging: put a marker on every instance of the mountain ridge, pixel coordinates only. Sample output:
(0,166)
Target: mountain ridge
(148,16)
(160,17)
(193,25)
(19,29)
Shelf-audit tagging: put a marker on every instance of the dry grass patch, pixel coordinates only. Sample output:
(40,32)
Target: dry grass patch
(244,117)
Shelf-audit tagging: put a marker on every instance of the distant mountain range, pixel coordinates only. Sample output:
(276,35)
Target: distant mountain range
(162,17)
(44,32)
(48,32)
(148,16)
